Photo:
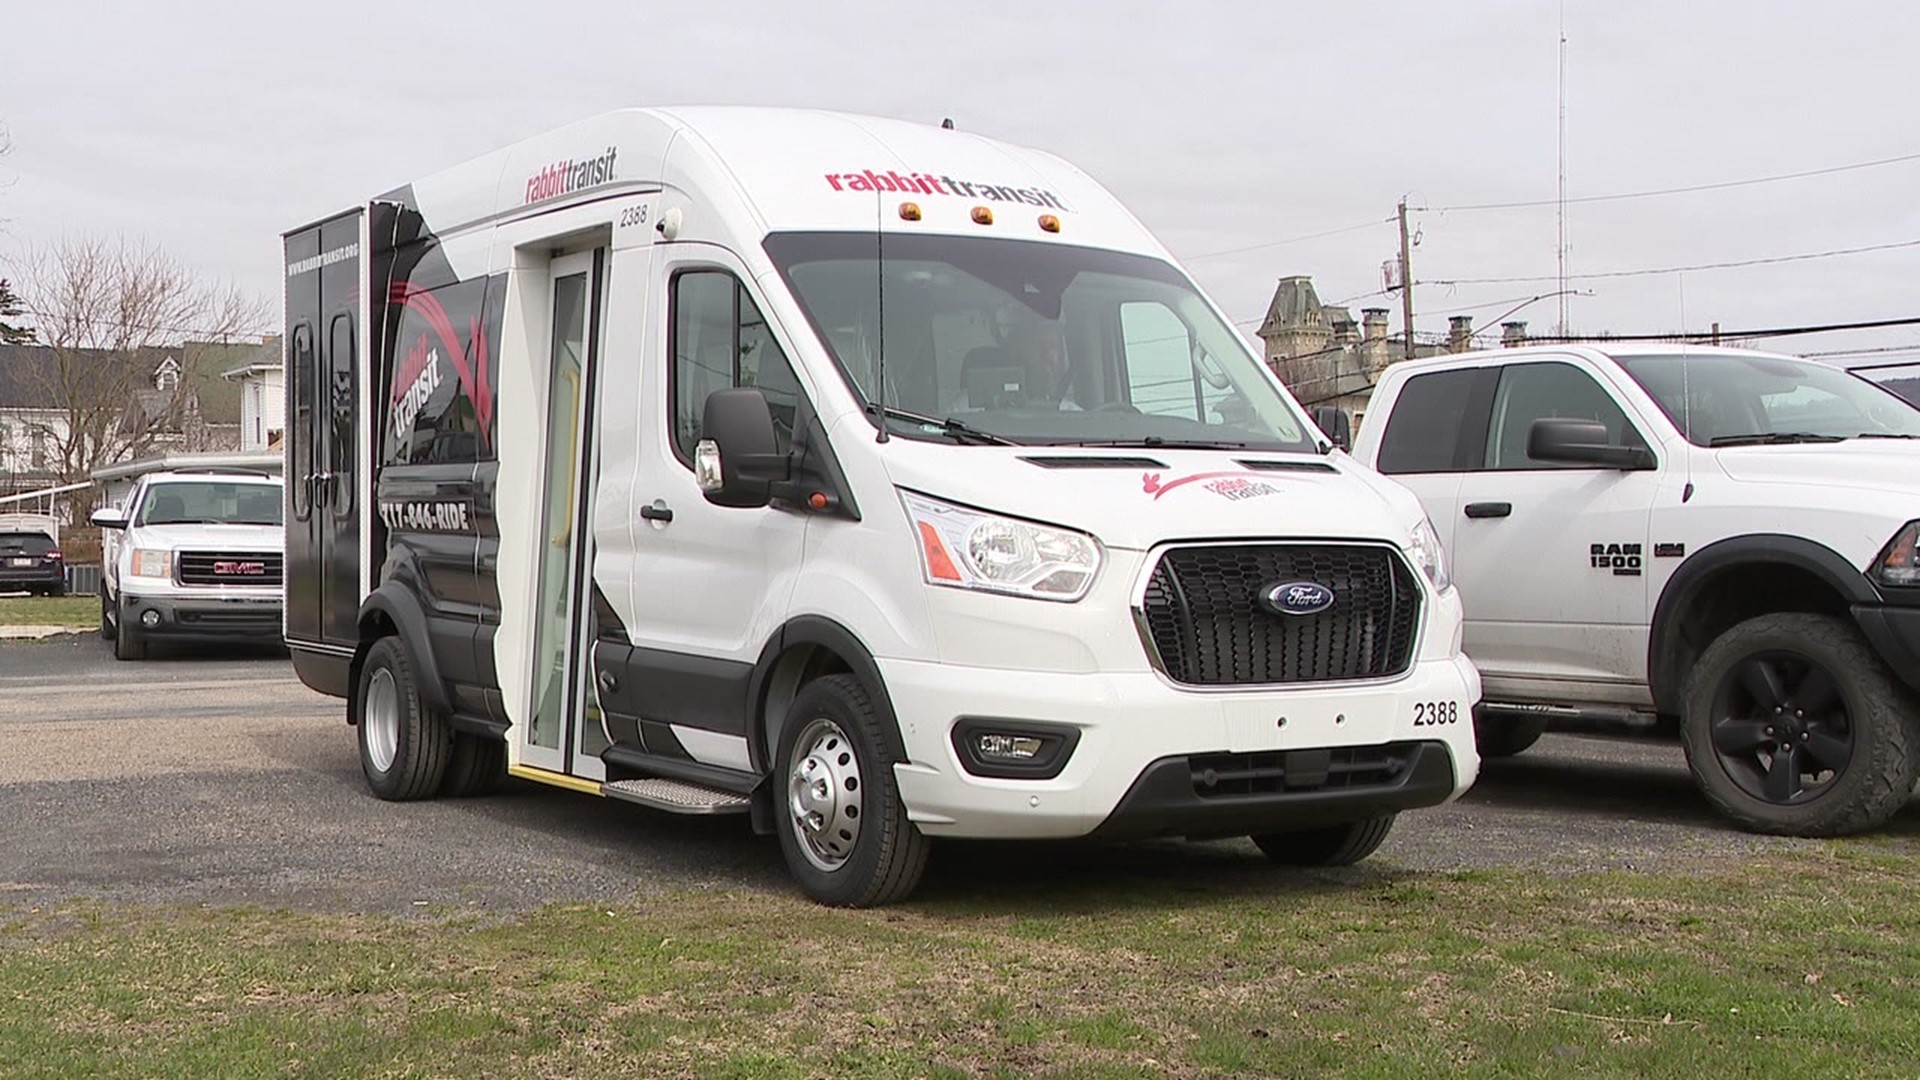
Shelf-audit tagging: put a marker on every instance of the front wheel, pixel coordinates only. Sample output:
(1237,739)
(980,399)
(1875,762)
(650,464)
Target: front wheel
(1499,735)
(843,827)
(404,746)
(106,616)
(1330,845)
(1794,726)
(128,643)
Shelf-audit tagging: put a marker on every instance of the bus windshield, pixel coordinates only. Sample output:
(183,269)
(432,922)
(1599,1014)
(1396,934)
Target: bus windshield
(1032,343)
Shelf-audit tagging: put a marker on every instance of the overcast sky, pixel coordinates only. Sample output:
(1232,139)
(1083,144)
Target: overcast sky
(210,128)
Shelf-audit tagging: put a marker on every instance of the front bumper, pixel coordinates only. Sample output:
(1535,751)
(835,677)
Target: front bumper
(248,617)
(1139,766)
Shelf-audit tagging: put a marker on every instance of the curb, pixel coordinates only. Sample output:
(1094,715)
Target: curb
(28,633)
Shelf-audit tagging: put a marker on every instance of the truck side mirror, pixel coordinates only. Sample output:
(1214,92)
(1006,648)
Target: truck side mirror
(1337,425)
(1582,442)
(737,461)
(110,517)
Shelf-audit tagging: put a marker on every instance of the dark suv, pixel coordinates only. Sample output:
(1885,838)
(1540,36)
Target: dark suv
(30,561)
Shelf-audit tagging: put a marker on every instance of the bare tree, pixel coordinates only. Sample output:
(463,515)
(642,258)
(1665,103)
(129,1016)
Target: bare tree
(111,314)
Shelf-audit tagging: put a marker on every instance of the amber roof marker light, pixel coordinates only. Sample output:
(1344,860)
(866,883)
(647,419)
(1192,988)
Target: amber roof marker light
(982,216)
(910,211)
(1049,223)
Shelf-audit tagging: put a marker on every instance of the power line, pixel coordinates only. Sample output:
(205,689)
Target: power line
(1782,331)
(1674,190)
(1288,240)
(1683,269)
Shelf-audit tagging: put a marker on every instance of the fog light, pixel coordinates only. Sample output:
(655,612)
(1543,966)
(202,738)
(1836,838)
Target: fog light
(1013,749)
(998,746)
(149,618)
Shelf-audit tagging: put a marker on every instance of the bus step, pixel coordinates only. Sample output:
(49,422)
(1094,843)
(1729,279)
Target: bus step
(677,796)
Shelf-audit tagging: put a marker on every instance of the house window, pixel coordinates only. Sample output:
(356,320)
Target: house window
(167,375)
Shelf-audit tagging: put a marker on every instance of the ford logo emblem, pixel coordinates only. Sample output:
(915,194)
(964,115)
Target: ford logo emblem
(1296,598)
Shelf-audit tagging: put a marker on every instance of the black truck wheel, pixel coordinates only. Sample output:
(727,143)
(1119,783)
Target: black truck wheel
(1328,845)
(843,828)
(404,746)
(477,766)
(1794,726)
(128,643)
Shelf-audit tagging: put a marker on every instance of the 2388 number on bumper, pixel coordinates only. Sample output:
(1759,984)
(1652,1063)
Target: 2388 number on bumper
(1436,713)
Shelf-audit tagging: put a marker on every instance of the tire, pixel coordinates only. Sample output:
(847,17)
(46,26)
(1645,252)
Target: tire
(404,746)
(1331,845)
(1500,735)
(477,765)
(832,766)
(1770,679)
(128,643)
(57,590)
(106,616)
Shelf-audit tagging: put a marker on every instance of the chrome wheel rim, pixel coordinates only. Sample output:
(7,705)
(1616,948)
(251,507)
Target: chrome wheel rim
(824,792)
(381,720)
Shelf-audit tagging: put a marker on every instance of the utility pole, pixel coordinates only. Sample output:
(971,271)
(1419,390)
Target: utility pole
(1406,280)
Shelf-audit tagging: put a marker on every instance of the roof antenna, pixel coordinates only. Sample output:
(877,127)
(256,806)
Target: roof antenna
(947,124)
(880,288)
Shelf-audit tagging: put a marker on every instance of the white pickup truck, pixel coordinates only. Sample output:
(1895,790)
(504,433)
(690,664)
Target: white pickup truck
(193,555)
(1711,542)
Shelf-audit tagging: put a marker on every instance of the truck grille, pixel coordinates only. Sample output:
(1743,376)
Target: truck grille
(1206,624)
(230,568)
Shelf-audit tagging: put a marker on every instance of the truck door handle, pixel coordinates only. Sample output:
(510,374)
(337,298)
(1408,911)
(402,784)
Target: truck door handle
(1489,509)
(656,511)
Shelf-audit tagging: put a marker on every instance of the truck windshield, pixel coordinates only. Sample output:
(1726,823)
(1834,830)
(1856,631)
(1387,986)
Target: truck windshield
(1717,399)
(1034,343)
(196,502)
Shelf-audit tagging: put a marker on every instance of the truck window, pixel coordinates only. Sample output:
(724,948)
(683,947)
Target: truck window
(1530,392)
(720,341)
(1424,432)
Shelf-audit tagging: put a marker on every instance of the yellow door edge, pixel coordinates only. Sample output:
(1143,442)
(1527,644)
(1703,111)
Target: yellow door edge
(545,776)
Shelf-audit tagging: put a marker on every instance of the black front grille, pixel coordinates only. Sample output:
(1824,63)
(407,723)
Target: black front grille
(1271,773)
(230,568)
(1204,613)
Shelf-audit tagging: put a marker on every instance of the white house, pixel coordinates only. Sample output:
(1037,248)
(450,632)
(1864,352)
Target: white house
(263,403)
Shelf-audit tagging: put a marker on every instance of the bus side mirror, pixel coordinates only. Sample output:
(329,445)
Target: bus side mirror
(737,461)
(1336,424)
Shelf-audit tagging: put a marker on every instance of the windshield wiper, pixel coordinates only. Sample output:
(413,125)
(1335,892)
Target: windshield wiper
(1884,435)
(1156,442)
(950,427)
(1773,438)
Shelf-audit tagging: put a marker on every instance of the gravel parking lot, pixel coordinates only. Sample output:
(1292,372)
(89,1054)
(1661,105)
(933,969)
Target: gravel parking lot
(220,779)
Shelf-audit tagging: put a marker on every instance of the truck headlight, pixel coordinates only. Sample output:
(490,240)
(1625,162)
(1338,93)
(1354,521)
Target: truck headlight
(1898,564)
(970,549)
(1429,556)
(153,563)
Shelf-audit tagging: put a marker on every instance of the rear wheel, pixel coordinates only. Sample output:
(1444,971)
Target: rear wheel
(1330,845)
(1794,726)
(842,825)
(476,766)
(404,746)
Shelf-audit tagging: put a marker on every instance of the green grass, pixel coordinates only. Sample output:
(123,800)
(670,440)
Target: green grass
(50,610)
(1801,966)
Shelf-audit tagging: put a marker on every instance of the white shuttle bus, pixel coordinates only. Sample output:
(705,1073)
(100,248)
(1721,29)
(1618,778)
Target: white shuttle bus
(876,481)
